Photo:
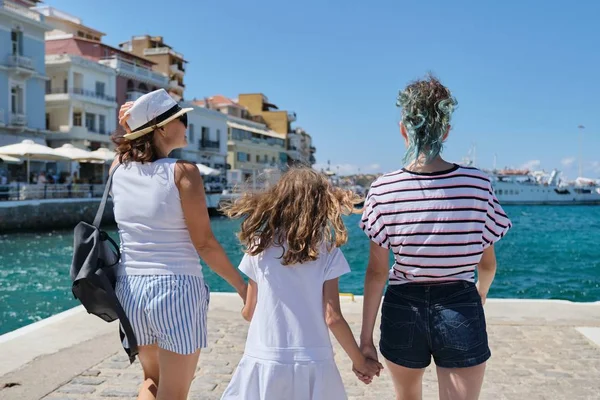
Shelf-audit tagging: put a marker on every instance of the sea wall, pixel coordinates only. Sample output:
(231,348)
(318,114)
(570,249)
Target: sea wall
(40,215)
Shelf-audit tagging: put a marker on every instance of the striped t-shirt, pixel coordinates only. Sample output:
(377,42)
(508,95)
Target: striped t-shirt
(436,224)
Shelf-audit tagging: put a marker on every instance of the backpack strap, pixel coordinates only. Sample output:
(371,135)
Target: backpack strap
(125,324)
(100,212)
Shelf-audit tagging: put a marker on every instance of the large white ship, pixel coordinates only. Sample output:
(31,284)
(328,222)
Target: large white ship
(524,187)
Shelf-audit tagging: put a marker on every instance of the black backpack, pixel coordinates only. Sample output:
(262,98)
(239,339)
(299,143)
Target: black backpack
(95,256)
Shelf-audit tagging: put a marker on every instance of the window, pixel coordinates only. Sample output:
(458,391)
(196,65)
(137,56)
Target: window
(100,86)
(205,133)
(16,100)
(102,124)
(80,34)
(218,135)
(244,157)
(273,160)
(65,86)
(257,158)
(143,88)
(16,37)
(90,122)
(266,159)
(191,133)
(47,121)
(48,86)
(77,118)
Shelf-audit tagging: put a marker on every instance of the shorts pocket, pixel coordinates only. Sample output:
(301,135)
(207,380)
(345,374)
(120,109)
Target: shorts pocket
(207,295)
(397,325)
(460,326)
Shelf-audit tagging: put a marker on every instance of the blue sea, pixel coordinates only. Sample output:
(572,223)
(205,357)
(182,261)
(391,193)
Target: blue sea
(552,252)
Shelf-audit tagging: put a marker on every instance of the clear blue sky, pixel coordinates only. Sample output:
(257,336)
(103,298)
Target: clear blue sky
(525,73)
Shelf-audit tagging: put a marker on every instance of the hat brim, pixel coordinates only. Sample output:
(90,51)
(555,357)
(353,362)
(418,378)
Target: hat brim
(136,134)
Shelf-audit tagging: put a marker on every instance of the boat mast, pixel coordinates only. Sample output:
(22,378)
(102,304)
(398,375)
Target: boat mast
(581,128)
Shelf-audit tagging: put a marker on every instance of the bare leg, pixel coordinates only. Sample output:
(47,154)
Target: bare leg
(408,382)
(148,356)
(176,374)
(460,383)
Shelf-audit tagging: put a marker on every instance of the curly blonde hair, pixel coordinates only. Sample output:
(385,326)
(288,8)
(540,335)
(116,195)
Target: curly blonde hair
(302,211)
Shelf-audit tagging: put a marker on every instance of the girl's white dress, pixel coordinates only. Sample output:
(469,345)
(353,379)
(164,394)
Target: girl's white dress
(288,352)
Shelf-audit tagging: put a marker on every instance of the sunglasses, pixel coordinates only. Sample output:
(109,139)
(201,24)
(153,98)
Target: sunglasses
(184,120)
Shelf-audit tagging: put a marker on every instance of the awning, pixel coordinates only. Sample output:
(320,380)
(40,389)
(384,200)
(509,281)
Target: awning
(256,130)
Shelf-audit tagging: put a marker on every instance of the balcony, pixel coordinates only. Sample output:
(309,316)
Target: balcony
(66,132)
(125,68)
(18,61)
(81,92)
(175,69)
(174,84)
(23,11)
(133,95)
(162,50)
(18,119)
(206,144)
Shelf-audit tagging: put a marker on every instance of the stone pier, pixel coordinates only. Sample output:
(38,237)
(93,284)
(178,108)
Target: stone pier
(541,350)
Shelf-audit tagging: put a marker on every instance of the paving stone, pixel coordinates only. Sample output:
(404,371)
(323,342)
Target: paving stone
(88,380)
(126,393)
(115,365)
(91,372)
(70,388)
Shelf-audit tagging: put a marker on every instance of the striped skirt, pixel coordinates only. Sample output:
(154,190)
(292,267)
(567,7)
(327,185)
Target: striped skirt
(169,310)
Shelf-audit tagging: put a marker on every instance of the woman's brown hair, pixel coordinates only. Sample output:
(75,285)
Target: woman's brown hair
(139,150)
(302,211)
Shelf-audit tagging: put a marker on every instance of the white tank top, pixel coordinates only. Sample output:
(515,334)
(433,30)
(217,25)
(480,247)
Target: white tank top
(154,236)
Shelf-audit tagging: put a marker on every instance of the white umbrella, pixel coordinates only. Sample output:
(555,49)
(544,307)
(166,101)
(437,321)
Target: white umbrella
(31,151)
(10,159)
(104,154)
(204,170)
(77,154)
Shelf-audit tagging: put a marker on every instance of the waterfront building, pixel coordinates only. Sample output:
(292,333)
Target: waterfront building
(22,72)
(96,90)
(258,105)
(252,147)
(166,60)
(81,106)
(207,138)
(300,149)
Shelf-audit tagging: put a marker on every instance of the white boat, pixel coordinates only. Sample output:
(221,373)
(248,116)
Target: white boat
(525,187)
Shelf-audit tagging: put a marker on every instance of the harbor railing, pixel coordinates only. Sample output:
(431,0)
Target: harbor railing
(24,191)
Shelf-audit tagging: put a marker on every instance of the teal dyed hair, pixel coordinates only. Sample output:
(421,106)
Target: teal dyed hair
(427,108)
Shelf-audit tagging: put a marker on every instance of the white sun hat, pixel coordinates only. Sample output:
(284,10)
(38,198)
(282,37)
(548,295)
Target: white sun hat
(151,111)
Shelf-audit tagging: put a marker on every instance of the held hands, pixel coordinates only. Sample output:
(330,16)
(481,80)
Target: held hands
(365,371)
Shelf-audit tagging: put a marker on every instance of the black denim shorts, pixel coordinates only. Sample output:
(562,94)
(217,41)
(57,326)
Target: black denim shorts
(444,320)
